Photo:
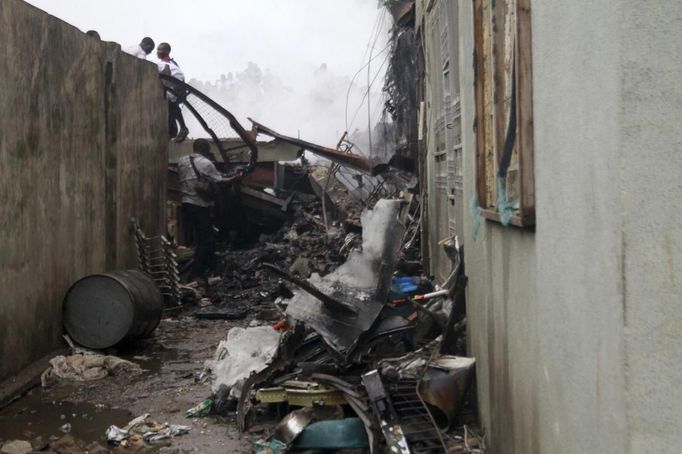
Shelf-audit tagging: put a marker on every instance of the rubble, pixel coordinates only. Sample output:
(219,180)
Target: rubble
(330,327)
(353,335)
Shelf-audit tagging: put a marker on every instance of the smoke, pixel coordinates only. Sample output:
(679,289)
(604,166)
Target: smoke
(312,105)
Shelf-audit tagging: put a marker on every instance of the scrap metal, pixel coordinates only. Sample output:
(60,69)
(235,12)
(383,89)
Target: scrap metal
(183,91)
(156,258)
(351,160)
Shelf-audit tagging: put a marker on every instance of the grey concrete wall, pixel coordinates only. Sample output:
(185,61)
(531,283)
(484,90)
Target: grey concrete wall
(576,327)
(83,148)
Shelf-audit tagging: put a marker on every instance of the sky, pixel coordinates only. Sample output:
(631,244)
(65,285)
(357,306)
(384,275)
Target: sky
(288,39)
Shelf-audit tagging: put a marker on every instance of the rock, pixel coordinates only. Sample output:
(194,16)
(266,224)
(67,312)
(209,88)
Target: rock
(39,443)
(96,448)
(16,447)
(170,450)
(66,445)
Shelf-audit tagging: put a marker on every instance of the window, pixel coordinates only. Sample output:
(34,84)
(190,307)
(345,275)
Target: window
(504,117)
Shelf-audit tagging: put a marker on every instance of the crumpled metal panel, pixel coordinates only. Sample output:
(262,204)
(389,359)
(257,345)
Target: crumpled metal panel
(342,331)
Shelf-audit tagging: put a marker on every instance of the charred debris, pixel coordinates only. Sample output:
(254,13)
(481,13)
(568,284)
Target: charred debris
(340,342)
(350,346)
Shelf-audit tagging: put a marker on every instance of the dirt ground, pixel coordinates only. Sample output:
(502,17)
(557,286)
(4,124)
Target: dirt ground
(165,390)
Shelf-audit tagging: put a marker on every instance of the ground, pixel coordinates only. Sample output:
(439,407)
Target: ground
(165,390)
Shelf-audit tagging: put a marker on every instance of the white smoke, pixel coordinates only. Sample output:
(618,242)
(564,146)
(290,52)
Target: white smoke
(312,106)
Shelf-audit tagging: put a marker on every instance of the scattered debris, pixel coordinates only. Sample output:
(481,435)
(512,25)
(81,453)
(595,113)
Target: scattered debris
(358,336)
(86,367)
(200,410)
(140,429)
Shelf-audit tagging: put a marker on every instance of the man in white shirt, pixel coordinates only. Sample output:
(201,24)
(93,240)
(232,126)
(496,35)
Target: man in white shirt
(170,67)
(141,50)
(196,208)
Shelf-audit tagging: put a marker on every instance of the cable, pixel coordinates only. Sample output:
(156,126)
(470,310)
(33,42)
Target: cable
(368,88)
(373,37)
(369,85)
(350,85)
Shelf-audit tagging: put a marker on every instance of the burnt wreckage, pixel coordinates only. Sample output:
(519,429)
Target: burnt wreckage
(370,349)
(349,344)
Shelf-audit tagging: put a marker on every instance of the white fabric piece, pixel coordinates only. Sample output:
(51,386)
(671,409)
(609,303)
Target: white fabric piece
(86,368)
(245,351)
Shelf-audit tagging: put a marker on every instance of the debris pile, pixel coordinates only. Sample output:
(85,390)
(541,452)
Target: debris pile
(358,355)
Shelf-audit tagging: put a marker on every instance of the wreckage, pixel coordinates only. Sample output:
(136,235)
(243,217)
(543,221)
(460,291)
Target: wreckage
(357,347)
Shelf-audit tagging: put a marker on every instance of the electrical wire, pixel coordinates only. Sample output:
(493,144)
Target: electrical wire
(362,101)
(350,85)
(374,36)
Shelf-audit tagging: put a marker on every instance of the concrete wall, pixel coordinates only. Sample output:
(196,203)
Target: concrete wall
(576,326)
(83,148)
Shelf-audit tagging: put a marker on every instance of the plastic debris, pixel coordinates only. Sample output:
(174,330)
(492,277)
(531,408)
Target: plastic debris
(202,409)
(169,431)
(140,428)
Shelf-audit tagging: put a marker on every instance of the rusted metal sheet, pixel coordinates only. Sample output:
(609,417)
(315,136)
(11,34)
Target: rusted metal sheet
(353,161)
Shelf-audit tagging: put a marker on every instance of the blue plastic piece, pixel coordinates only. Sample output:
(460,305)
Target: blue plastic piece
(405,285)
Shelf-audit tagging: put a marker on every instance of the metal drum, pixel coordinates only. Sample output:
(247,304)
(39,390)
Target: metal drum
(105,309)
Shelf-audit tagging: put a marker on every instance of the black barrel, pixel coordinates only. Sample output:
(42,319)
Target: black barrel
(105,309)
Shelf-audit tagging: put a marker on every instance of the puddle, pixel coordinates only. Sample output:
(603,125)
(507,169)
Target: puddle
(35,415)
(152,356)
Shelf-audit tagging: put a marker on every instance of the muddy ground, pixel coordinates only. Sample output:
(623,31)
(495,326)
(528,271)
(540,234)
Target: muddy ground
(165,390)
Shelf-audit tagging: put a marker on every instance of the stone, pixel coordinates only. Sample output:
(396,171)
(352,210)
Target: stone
(66,445)
(96,448)
(16,447)
(39,443)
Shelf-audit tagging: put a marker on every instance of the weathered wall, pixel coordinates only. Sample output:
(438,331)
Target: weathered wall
(82,149)
(576,326)
(443,141)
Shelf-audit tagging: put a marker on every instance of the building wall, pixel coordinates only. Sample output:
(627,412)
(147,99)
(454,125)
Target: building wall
(576,325)
(442,129)
(83,148)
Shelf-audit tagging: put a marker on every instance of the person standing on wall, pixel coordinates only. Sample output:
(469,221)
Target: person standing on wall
(170,67)
(197,174)
(141,50)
